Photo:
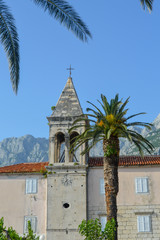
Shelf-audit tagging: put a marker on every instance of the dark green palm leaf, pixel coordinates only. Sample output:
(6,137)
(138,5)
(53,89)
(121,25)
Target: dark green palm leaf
(142,124)
(139,138)
(147,3)
(120,113)
(135,115)
(9,40)
(105,104)
(66,15)
(90,109)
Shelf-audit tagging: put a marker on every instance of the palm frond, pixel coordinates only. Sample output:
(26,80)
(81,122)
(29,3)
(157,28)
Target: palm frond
(147,3)
(115,104)
(139,138)
(140,147)
(9,40)
(90,109)
(141,124)
(105,104)
(66,15)
(120,112)
(97,114)
(120,115)
(134,115)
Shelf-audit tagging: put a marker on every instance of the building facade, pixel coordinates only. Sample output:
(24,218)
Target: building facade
(138,198)
(57,195)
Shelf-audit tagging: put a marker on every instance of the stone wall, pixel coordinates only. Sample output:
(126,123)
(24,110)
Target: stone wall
(127,221)
(66,201)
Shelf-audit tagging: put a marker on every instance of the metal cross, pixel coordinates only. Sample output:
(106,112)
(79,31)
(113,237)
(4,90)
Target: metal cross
(70,69)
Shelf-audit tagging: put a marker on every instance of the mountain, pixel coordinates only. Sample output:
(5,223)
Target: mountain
(30,149)
(23,149)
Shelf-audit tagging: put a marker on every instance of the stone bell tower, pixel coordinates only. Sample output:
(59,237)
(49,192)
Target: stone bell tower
(66,181)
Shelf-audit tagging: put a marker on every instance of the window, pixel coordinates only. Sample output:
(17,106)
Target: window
(33,221)
(102,189)
(31,185)
(141,185)
(103,221)
(144,223)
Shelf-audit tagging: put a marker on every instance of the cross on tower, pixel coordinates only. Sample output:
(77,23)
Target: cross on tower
(70,69)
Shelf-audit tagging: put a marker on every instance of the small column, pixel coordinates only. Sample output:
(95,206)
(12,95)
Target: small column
(67,148)
(82,157)
(52,146)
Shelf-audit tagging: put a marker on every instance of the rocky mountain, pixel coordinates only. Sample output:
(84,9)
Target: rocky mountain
(30,149)
(23,149)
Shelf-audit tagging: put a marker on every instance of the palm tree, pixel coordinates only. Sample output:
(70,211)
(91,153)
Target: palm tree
(59,9)
(108,125)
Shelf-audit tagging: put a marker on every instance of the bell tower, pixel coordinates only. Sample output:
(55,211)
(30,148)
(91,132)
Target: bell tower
(66,181)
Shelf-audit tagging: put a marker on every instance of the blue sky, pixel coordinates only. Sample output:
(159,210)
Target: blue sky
(123,57)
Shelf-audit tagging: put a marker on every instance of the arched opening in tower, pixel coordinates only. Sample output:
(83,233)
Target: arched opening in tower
(74,155)
(60,147)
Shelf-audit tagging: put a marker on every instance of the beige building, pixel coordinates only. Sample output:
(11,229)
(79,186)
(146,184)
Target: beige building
(138,198)
(57,195)
(23,197)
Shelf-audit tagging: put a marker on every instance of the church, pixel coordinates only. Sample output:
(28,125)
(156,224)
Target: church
(57,195)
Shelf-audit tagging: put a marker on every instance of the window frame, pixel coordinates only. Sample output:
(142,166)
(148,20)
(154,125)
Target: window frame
(32,191)
(143,218)
(30,218)
(142,188)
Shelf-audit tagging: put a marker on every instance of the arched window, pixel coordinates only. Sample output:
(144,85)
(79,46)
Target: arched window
(74,156)
(60,147)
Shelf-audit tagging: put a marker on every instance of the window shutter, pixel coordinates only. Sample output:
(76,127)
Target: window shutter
(141,185)
(34,185)
(144,223)
(102,189)
(28,186)
(147,223)
(33,221)
(145,185)
(33,224)
(140,224)
(26,223)
(103,221)
(138,185)
(31,185)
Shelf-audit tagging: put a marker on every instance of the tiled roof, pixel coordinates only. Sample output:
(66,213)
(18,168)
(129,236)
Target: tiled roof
(93,162)
(128,161)
(24,168)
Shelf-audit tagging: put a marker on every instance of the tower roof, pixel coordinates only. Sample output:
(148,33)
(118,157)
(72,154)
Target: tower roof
(68,103)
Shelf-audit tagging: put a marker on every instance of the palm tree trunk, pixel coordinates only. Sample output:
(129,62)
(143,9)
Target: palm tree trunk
(111,160)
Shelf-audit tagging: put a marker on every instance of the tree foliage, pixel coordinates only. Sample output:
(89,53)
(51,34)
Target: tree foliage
(109,122)
(11,234)
(147,3)
(92,230)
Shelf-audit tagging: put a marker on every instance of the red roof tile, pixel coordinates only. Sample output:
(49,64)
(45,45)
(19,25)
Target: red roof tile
(128,161)
(93,162)
(24,168)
